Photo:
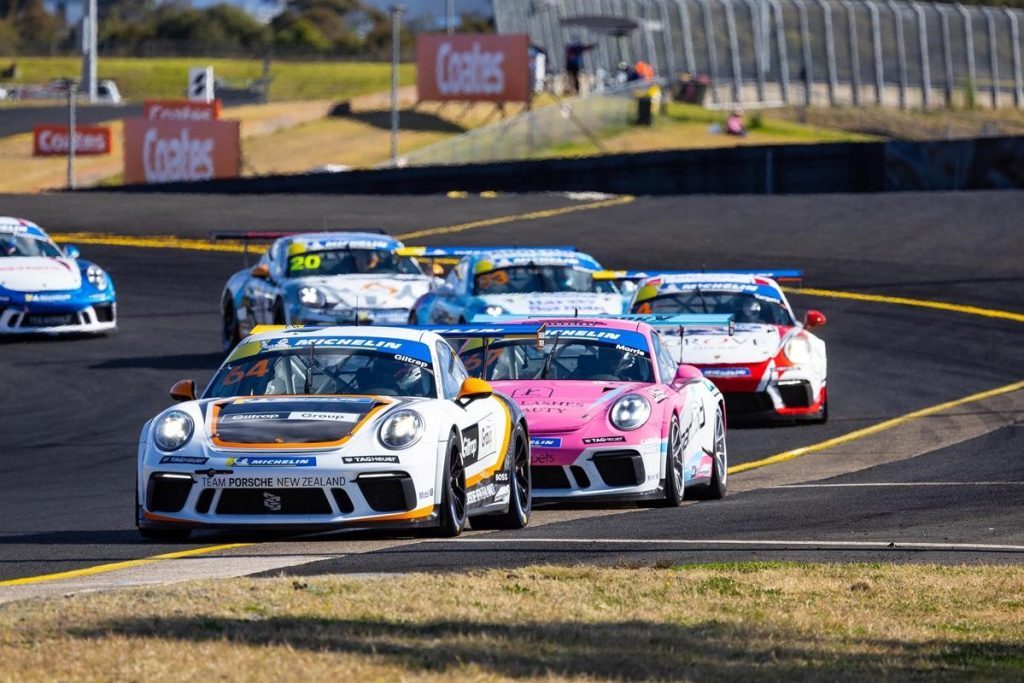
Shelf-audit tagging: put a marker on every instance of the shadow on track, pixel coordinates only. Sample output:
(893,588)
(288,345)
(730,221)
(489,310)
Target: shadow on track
(186,361)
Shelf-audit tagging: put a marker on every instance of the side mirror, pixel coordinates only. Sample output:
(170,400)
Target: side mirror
(71,252)
(185,390)
(474,389)
(260,271)
(814,319)
(437,269)
(627,287)
(686,373)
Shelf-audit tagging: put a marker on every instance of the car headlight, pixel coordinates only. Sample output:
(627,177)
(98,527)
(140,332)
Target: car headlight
(401,429)
(173,431)
(630,412)
(494,310)
(312,297)
(797,349)
(96,277)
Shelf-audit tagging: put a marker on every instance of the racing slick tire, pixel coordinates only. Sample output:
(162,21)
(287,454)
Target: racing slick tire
(823,414)
(517,516)
(413,318)
(231,333)
(675,486)
(278,313)
(716,488)
(452,520)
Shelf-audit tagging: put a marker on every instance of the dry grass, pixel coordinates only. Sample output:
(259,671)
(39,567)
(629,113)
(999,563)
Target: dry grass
(911,125)
(690,127)
(737,622)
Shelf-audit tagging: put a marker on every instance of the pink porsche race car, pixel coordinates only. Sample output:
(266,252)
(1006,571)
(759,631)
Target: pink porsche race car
(611,414)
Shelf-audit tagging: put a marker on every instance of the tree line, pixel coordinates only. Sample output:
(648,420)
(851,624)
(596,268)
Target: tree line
(149,28)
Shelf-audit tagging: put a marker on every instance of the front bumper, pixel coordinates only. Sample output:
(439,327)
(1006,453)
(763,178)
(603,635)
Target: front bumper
(94,319)
(620,471)
(179,496)
(792,401)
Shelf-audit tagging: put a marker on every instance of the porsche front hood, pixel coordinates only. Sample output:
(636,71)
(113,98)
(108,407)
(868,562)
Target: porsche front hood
(750,343)
(39,274)
(563,405)
(286,422)
(369,291)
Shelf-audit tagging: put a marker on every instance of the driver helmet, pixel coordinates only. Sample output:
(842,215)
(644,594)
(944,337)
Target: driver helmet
(370,259)
(407,379)
(749,308)
(8,247)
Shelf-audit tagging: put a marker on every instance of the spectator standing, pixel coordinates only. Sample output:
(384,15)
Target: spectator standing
(574,52)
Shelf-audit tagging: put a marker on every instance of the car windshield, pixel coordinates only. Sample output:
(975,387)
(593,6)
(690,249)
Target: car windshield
(328,370)
(533,278)
(351,262)
(20,245)
(746,308)
(570,359)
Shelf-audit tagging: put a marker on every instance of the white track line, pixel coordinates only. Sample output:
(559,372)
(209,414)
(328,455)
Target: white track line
(899,483)
(881,545)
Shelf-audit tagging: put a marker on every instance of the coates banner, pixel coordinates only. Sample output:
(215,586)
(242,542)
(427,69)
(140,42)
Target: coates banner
(48,140)
(180,110)
(167,151)
(473,67)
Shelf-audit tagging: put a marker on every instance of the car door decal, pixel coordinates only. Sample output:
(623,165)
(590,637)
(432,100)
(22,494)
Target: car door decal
(471,445)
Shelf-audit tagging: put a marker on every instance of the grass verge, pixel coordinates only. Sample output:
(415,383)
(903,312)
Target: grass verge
(763,621)
(140,78)
(687,126)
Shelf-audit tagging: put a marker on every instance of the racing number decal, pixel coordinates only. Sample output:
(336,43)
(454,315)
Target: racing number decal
(304,262)
(237,374)
(473,361)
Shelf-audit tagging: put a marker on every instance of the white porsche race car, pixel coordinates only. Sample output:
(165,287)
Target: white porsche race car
(326,427)
(321,278)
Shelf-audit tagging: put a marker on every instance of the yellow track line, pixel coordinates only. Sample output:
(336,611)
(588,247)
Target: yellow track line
(874,429)
(903,301)
(531,216)
(127,564)
(153,242)
(192,244)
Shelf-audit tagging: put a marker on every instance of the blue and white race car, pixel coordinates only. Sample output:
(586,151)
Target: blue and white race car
(490,282)
(48,290)
(321,278)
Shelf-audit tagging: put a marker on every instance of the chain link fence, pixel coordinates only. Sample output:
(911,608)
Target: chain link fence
(825,52)
(524,136)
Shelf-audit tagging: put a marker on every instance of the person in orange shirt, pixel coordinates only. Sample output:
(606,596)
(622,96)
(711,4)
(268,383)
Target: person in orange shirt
(644,71)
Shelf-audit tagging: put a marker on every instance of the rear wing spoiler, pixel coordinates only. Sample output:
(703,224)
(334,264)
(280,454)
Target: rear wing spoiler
(782,276)
(485,331)
(270,236)
(678,322)
(447,257)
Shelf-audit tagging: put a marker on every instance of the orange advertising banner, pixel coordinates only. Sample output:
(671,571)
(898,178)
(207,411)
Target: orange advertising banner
(473,67)
(168,151)
(52,139)
(180,110)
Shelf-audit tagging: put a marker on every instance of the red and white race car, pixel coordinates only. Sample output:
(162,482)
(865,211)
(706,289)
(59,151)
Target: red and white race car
(768,365)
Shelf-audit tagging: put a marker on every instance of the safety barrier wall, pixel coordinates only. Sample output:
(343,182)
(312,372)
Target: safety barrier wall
(983,163)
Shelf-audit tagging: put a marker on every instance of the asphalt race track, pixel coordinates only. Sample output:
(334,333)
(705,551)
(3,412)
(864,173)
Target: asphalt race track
(72,409)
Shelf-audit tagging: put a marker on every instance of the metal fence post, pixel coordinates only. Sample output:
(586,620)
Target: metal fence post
(666,39)
(805,47)
(734,50)
(901,50)
(972,74)
(851,26)
(947,52)
(1018,81)
(876,50)
(780,39)
(922,42)
(993,56)
(709,38)
(760,50)
(830,50)
(684,19)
